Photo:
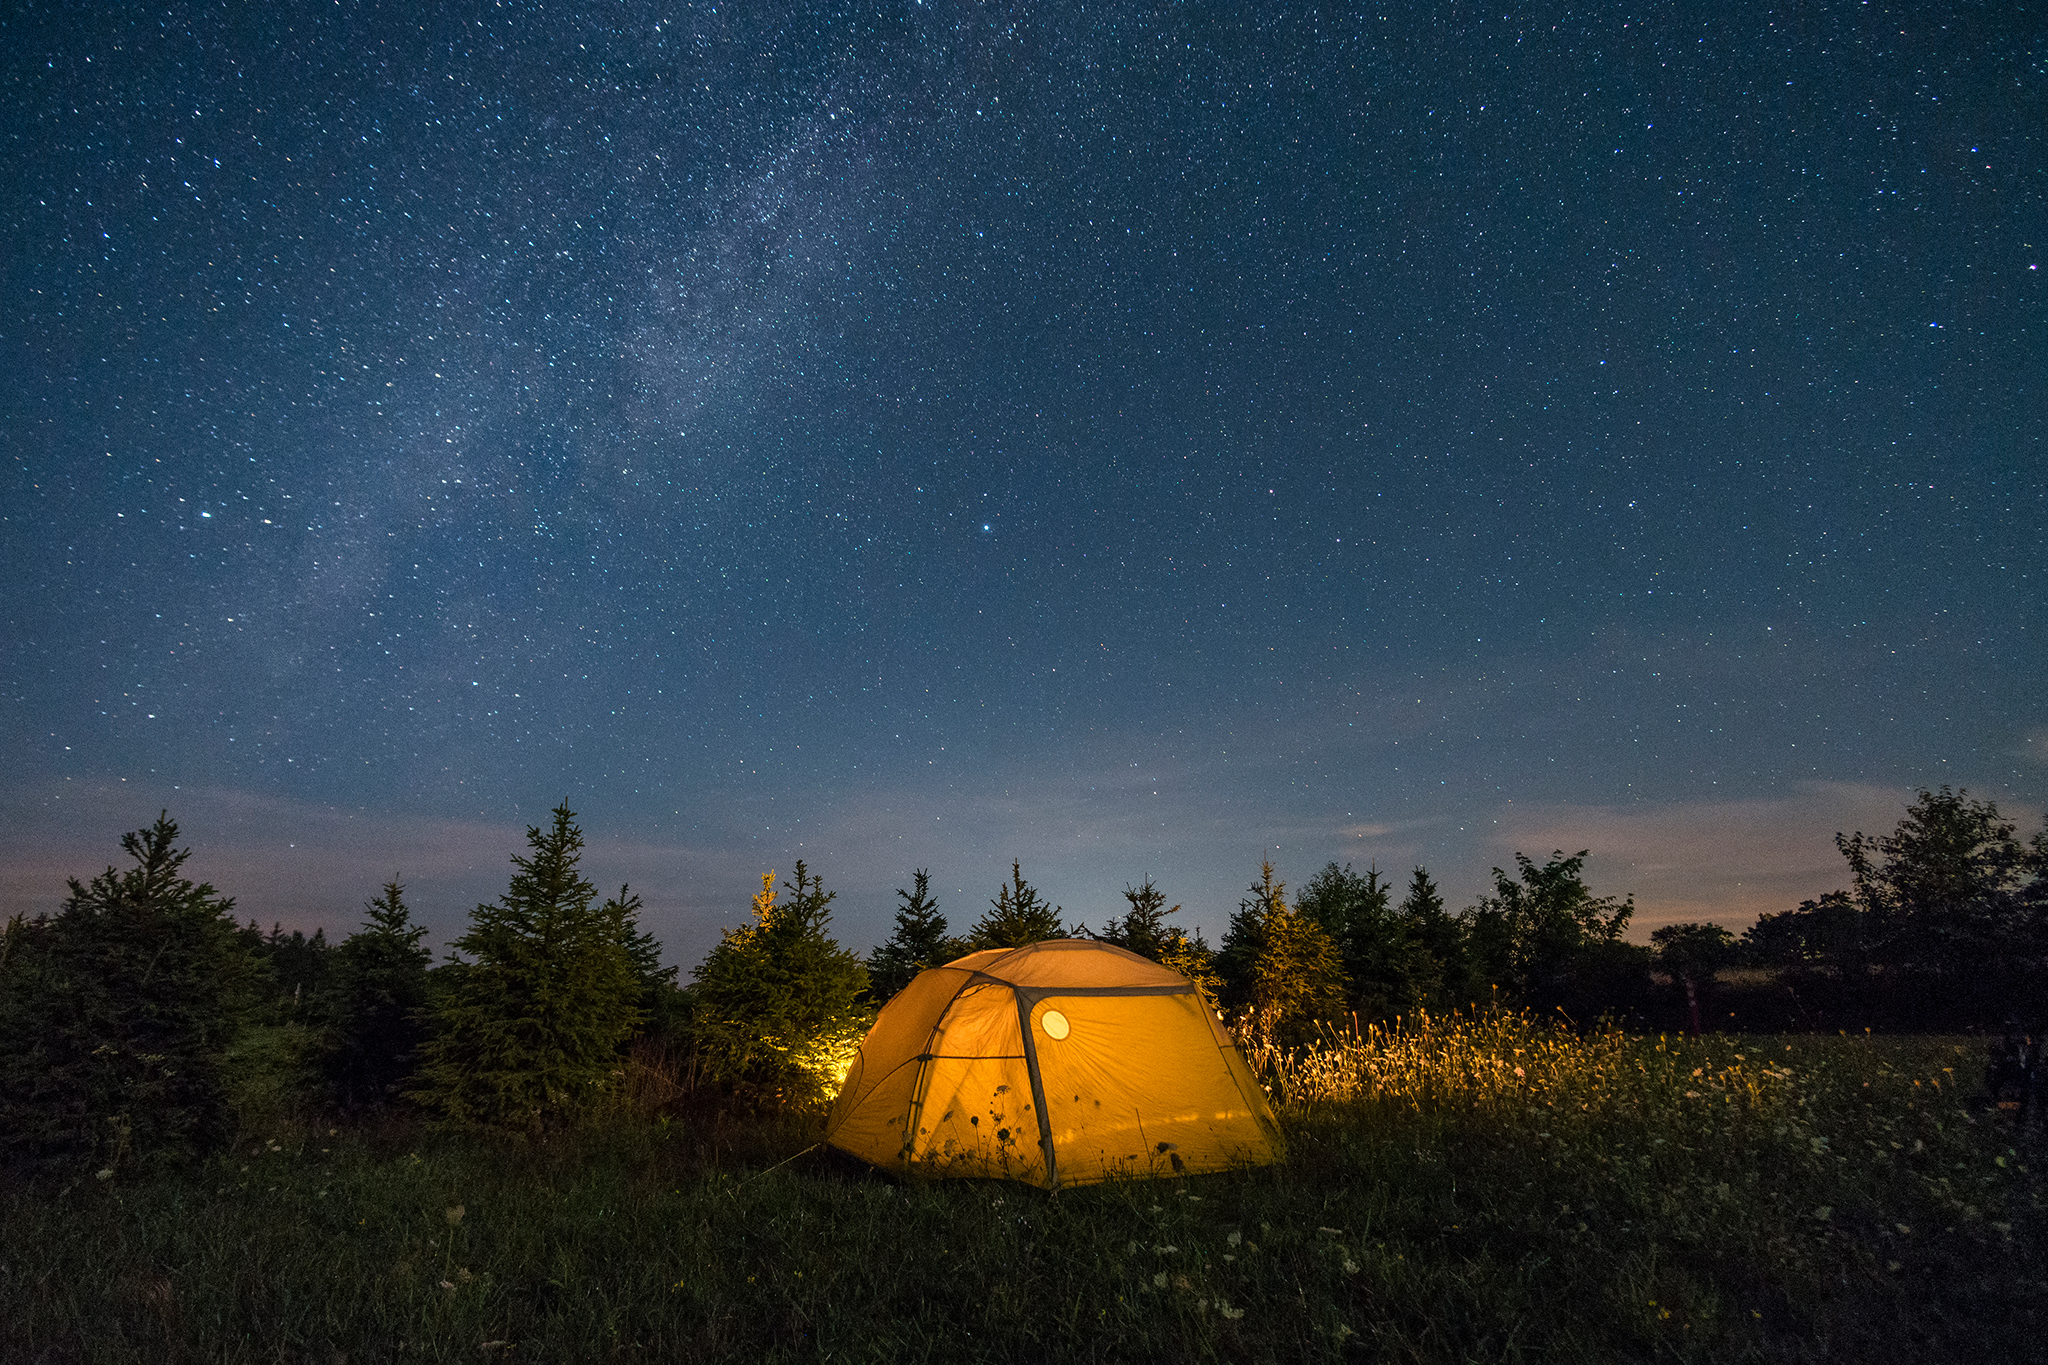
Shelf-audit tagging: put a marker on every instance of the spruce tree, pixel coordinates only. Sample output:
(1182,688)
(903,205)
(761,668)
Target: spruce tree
(777,1001)
(659,996)
(377,1003)
(1017,916)
(528,1039)
(1437,932)
(1389,971)
(1280,969)
(1143,930)
(920,941)
(115,1013)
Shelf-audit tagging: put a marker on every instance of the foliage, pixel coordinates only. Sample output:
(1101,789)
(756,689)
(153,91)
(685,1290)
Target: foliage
(1389,968)
(299,967)
(1143,930)
(664,1006)
(1948,919)
(1437,932)
(1017,916)
(919,941)
(778,1012)
(377,1003)
(529,1038)
(1941,894)
(114,1015)
(1552,942)
(1280,969)
(1691,954)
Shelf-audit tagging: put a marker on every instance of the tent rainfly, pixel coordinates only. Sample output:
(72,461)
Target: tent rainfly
(1059,1063)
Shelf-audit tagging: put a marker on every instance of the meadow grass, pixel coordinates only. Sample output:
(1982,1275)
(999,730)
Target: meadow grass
(1458,1189)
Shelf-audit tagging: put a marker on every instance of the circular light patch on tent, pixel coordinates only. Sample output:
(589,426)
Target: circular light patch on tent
(1055,1024)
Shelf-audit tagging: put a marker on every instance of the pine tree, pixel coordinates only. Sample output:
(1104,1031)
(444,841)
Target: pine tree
(377,1002)
(529,1038)
(1017,916)
(1390,972)
(114,1015)
(1143,930)
(1436,931)
(660,998)
(920,941)
(1280,969)
(777,1001)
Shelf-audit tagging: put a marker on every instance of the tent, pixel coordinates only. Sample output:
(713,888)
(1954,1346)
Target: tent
(1058,1063)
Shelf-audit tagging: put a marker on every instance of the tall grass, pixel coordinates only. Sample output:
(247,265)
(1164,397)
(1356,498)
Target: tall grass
(1467,1188)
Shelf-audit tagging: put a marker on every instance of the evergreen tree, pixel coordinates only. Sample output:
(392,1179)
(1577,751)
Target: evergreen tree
(1390,973)
(1436,931)
(377,1003)
(115,1013)
(529,1037)
(1017,916)
(920,941)
(1281,970)
(661,999)
(1143,930)
(778,1012)
(300,965)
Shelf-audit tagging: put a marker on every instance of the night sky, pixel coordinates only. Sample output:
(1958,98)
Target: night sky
(1136,439)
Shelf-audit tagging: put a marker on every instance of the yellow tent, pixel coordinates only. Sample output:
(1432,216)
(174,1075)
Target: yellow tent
(1059,1063)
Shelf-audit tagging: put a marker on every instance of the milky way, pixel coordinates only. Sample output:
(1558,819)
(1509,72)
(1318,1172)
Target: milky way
(1134,439)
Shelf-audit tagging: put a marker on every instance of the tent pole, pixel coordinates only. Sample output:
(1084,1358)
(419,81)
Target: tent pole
(1052,1168)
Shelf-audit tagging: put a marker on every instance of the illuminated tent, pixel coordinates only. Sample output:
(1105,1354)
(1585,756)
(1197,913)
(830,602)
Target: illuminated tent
(1059,1063)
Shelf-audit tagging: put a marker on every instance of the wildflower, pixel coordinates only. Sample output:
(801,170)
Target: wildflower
(1350,1266)
(1235,1238)
(105,1174)
(455,1215)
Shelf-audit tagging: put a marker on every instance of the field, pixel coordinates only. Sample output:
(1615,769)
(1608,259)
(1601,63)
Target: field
(1457,1190)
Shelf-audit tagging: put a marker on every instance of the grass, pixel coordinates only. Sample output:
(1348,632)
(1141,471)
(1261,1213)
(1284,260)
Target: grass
(1458,1189)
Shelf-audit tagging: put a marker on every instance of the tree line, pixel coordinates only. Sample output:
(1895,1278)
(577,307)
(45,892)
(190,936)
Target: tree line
(125,1015)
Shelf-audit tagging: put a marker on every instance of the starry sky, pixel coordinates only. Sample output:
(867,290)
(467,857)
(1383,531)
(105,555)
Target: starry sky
(1132,438)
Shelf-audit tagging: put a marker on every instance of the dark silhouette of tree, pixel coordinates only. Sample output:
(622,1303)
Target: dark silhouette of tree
(115,1013)
(529,1036)
(920,941)
(661,999)
(778,1014)
(1820,935)
(1017,916)
(1552,942)
(1942,893)
(1692,953)
(377,1003)
(1437,932)
(300,965)
(1281,971)
(1388,970)
(1143,930)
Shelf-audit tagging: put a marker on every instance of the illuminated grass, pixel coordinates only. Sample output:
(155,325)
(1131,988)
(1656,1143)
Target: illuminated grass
(1729,1199)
